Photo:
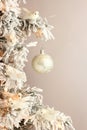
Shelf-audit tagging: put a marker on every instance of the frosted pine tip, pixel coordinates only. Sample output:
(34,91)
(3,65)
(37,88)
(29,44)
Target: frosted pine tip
(3,128)
(5,89)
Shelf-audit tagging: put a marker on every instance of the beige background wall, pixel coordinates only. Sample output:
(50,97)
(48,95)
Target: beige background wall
(65,87)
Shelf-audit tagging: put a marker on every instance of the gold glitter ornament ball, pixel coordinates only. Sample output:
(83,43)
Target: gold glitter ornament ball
(42,63)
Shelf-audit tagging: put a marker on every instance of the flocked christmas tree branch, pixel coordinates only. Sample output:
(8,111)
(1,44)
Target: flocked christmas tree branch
(20,105)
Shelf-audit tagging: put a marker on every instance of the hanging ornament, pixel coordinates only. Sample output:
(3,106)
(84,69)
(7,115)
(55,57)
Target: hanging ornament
(42,63)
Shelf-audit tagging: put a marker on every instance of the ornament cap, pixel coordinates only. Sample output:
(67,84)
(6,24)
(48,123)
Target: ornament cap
(42,51)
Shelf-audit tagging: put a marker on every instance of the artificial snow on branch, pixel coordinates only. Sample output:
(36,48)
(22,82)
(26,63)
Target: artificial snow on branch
(22,106)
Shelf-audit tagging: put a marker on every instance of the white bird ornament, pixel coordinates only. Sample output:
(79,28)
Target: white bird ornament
(32,16)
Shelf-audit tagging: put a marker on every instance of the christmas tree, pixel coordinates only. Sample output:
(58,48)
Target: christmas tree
(21,106)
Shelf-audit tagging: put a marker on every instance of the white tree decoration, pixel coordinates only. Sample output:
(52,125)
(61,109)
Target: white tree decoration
(20,105)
